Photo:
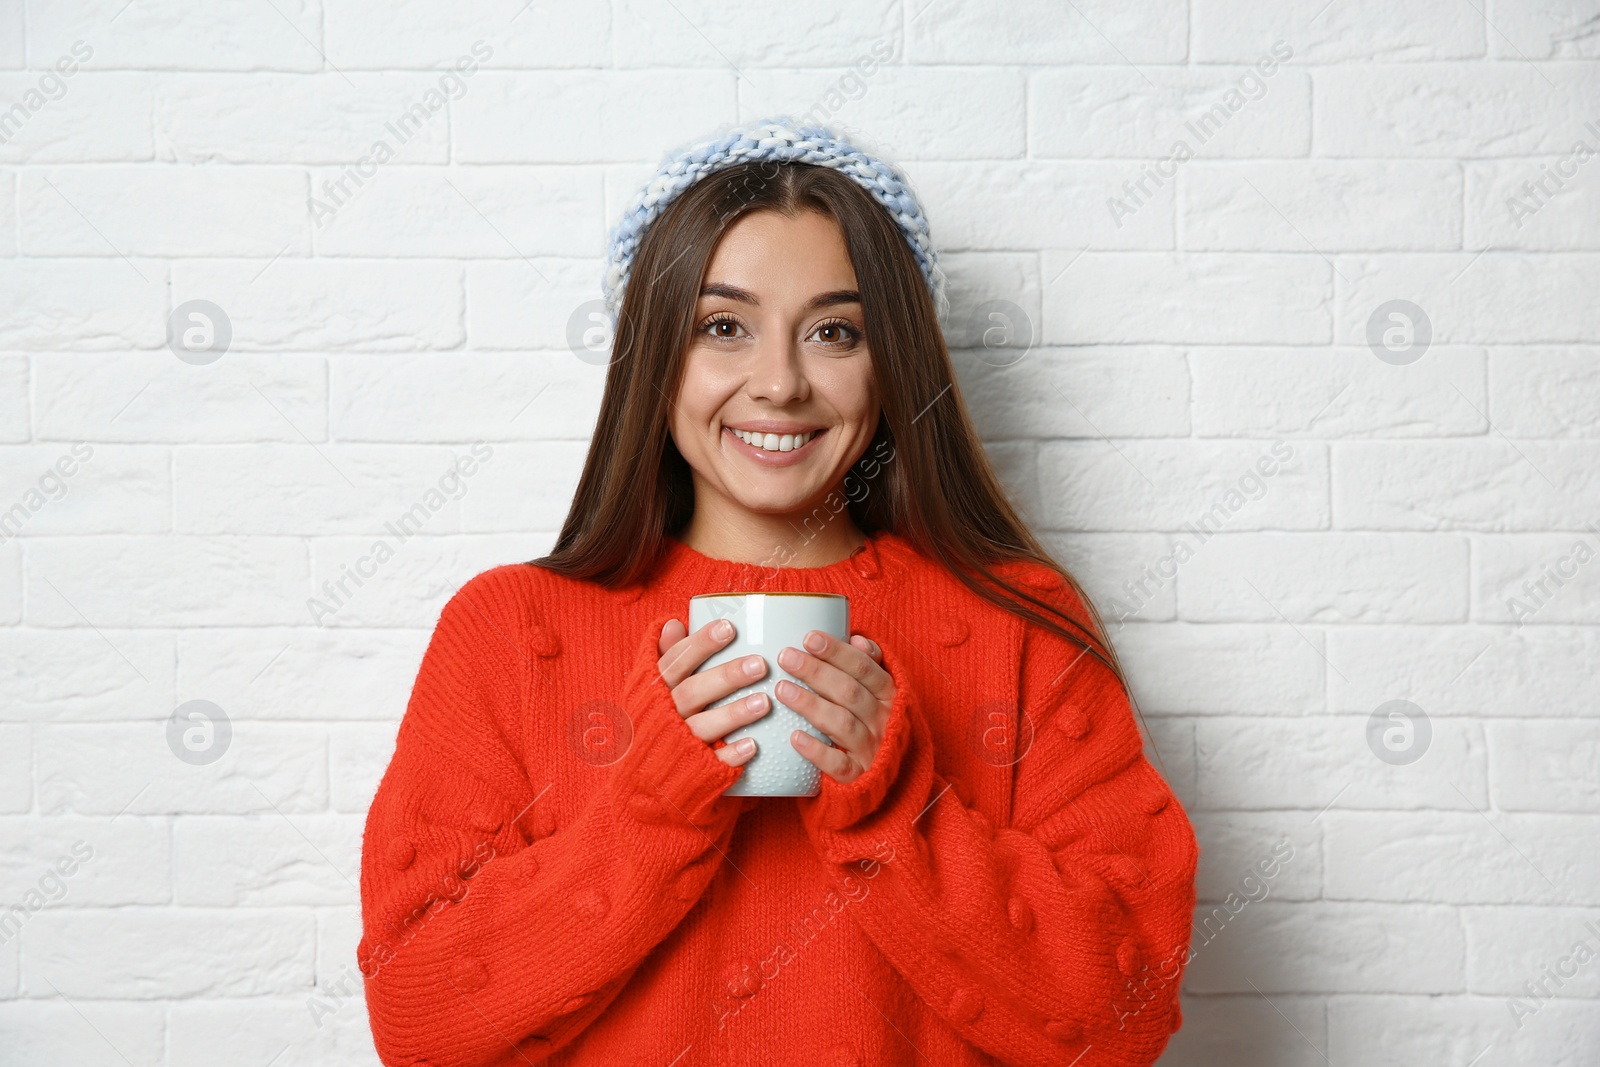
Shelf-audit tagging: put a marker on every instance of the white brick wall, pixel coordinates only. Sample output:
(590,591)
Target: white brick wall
(1219,316)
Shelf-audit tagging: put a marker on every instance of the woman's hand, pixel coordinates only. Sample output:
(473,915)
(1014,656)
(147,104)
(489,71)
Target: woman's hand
(681,654)
(849,700)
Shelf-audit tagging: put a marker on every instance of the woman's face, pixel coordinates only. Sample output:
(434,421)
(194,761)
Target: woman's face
(778,349)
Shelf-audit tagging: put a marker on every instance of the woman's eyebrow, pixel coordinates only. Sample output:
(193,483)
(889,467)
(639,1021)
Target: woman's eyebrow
(745,296)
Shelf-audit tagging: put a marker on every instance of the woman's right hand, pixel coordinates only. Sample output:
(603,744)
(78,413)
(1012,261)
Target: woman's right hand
(683,652)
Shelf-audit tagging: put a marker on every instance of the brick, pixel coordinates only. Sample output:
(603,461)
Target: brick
(325,1027)
(165,581)
(1257,856)
(1321,206)
(100,117)
(1308,764)
(1295,947)
(536,117)
(11,582)
(284,35)
(68,862)
(1000,206)
(1440,485)
(1451,110)
(1246,1030)
(321,674)
(1544,32)
(82,303)
(1363,31)
(266,860)
(99,1033)
(1214,112)
(16,768)
(367,304)
(1545,766)
(78,675)
(1537,579)
(1182,668)
(1509,948)
(1466,857)
(1394,1031)
(411,587)
(154,396)
(106,768)
(539,303)
(13,398)
(1492,298)
(1210,298)
(306,489)
(832,32)
(1545,392)
(978,115)
(473,212)
(1547,203)
(1149,31)
(1076,392)
(486,397)
(1538,671)
(85,489)
(1326,577)
(1112,568)
(317,117)
(8,224)
(1337,393)
(164,211)
(1192,488)
(158,953)
(974,283)
(522,486)
(429,36)
(358,754)
(1170,748)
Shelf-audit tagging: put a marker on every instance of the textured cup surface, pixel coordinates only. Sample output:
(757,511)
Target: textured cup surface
(763,625)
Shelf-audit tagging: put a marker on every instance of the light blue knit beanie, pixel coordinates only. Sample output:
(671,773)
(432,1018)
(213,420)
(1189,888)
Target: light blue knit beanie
(780,138)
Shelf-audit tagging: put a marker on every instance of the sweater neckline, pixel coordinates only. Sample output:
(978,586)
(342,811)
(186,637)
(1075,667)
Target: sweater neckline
(686,569)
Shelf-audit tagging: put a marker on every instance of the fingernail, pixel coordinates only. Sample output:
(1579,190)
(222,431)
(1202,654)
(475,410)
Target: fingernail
(752,665)
(790,659)
(745,745)
(756,701)
(814,641)
(723,629)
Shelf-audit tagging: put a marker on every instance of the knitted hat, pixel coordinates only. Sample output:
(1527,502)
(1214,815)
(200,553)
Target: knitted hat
(782,139)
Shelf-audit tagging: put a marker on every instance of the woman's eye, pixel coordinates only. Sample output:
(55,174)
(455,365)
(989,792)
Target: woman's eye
(837,334)
(724,329)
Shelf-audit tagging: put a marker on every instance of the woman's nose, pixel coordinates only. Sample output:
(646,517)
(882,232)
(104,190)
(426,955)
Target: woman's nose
(776,374)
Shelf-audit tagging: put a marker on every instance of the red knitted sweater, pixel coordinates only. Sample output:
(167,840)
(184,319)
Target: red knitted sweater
(550,873)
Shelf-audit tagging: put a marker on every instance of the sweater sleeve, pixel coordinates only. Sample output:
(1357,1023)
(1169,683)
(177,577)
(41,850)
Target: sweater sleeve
(1062,934)
(483,941)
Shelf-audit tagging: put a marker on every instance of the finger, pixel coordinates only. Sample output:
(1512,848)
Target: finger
(694,692)
(867,645)
(684,656)
(714,723)
(671,634)
(840,672)
(741,751)
(833,762)
(844,726)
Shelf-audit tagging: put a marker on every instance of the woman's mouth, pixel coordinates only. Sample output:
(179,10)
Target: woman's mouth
(773,450)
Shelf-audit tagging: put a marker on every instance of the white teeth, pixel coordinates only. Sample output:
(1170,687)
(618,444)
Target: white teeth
(773,442)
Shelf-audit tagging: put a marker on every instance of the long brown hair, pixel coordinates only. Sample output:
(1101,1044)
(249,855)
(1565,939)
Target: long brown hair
(939,492)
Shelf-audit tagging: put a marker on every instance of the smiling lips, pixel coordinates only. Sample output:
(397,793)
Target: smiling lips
(774,449)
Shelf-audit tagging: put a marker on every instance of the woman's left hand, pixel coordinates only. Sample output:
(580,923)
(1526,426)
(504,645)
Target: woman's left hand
(849,700)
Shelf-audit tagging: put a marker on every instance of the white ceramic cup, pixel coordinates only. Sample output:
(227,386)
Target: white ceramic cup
(763,625)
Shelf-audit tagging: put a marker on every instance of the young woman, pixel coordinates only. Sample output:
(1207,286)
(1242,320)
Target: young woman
(992,871)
